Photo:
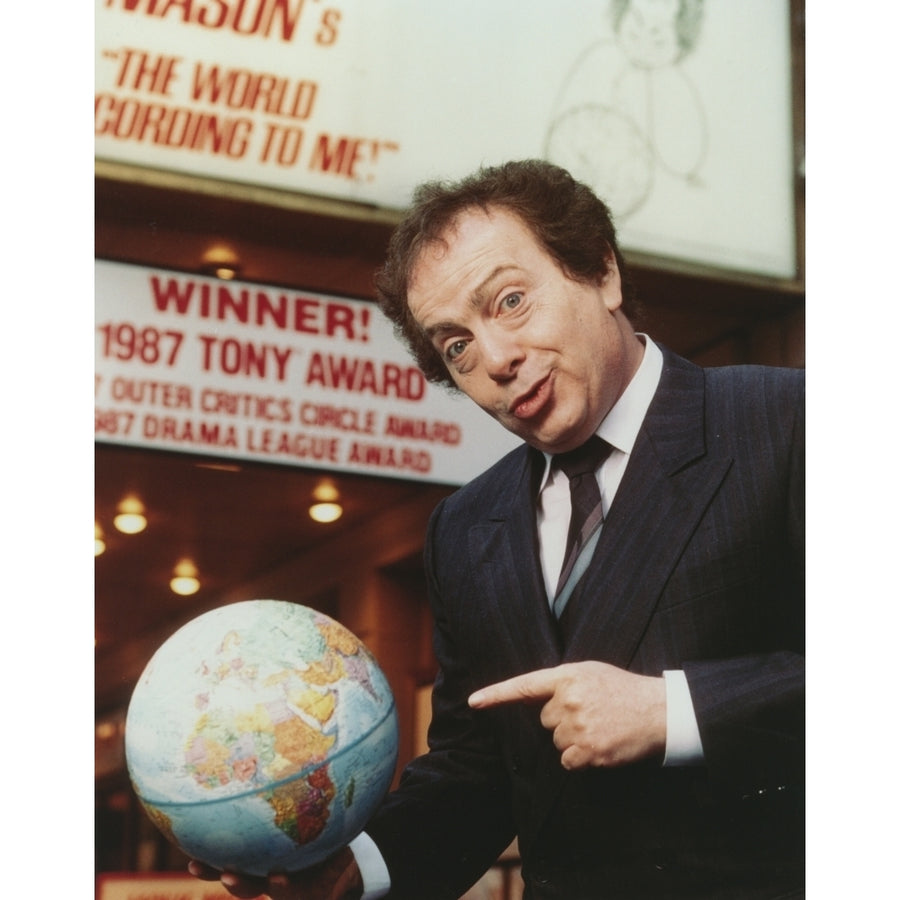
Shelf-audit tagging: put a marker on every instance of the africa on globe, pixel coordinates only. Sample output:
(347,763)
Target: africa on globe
(261,737)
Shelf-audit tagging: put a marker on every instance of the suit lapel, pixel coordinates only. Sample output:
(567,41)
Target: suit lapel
(667,485)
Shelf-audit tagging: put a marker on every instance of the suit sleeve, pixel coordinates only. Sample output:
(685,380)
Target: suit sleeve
(750,709)
(450,817)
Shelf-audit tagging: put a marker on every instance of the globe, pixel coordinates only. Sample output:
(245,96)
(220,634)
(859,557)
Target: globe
(261,737)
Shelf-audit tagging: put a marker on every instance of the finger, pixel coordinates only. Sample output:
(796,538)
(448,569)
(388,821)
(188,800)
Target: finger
(337,876)
(202,871)
(349,882)
(281,886)
(573,758)
(244,887)
(551,716)
(532,686)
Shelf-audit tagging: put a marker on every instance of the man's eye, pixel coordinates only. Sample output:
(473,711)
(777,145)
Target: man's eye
(511,301)
(454,349)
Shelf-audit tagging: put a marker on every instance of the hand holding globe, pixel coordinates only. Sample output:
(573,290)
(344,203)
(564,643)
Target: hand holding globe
(337,878)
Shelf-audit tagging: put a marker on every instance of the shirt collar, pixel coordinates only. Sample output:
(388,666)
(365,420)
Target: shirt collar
(622,423)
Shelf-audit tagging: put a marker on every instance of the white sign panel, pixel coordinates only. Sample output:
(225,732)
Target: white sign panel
(678,113)
(231,369)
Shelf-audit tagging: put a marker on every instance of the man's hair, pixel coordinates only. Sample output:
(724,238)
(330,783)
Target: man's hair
(568,220)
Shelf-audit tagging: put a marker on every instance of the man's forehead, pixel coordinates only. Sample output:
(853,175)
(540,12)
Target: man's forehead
(437,246)
(438,242)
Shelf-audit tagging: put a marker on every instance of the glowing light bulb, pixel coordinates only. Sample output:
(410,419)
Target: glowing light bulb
(222,261)
(326,508)
(184,579)
(130,518)
(99,543)
(326,512)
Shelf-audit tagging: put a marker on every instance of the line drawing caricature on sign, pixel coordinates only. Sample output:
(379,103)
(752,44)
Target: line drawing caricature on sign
(628,109)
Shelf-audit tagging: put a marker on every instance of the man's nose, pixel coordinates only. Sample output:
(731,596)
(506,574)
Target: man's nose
(502,354)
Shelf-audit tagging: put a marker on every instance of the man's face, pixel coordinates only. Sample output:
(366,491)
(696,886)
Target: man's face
(543,354)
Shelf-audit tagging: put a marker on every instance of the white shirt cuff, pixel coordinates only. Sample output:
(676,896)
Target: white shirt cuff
(376,881)
(683,745)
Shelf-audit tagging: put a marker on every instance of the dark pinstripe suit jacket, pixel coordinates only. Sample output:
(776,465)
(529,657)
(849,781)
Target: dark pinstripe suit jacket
(699,567)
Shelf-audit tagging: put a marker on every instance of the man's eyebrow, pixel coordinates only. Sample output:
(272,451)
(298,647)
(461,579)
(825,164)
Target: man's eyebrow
(479,293)
(432,331)
(477,298)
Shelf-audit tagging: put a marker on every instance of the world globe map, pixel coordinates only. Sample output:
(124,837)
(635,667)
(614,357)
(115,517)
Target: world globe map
(261,737)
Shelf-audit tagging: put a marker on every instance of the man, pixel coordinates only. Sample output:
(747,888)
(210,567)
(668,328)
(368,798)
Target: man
(635,717)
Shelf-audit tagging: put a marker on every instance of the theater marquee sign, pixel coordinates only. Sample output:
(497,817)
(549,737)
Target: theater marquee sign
(678,114)
(231,369)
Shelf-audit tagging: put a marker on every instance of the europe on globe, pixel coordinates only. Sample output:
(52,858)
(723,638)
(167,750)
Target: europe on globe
(261,737)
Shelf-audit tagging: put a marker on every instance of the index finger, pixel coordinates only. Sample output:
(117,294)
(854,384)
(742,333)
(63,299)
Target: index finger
(538,685)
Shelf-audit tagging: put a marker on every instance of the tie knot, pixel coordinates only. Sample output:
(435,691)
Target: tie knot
(586,458)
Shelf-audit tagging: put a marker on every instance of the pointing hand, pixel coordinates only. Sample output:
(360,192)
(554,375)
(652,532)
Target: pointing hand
(600,715)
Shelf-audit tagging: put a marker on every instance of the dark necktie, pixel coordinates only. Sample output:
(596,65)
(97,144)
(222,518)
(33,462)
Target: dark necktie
(580,466)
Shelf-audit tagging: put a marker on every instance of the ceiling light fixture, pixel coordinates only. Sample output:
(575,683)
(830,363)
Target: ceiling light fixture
(221,261)
(106,730)
(99,543)
(326,507)
(184,579)
(130,518)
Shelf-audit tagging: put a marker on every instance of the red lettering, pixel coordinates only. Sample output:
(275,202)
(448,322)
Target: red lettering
(274,442)
(306,315)
(343,418)
(258,91)
(187,431)
(327,35)
(387,456)
(339,156)
(365,376)
(423,430)
(125,341)
(169,126)
(207,83)
(234,357)
(339,318)
(303,314)
(173,292)
(219,21)
(243,17)
(277,409)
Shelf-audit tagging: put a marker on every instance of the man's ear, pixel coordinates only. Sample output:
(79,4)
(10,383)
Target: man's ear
(611,284)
